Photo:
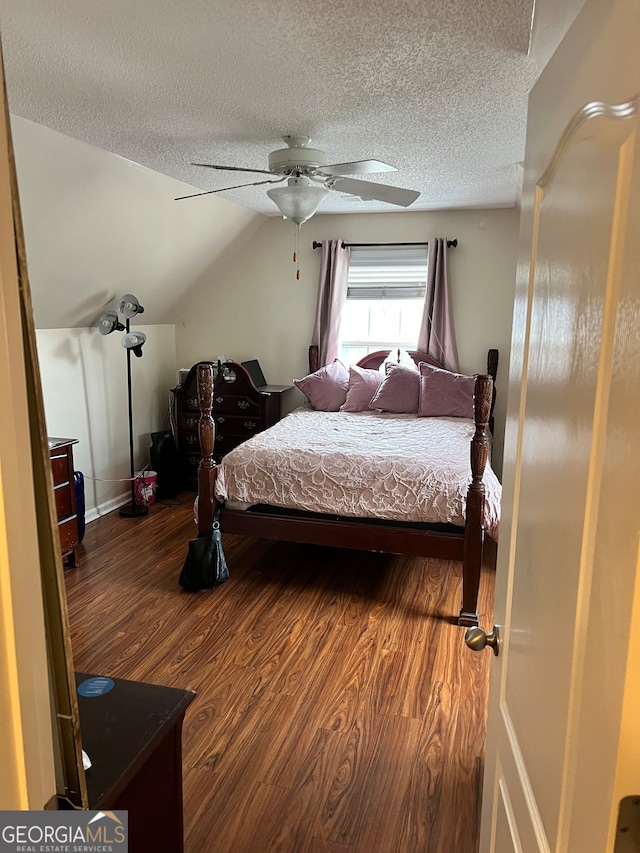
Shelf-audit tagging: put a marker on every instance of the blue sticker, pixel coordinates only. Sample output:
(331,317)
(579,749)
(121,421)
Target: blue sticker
(95,686)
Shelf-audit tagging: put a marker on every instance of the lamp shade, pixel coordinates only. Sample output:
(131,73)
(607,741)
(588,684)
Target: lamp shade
(299,200)
(109,322)
(134,341)
(129,306)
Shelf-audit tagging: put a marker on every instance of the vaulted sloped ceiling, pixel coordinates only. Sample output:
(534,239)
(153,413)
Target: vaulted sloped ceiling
(97,226)
(437,88)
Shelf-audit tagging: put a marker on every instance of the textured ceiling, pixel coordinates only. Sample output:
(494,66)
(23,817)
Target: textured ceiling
(437,88)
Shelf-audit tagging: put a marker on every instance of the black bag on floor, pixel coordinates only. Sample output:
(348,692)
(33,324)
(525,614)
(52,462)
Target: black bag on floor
(164,459)
(205,566)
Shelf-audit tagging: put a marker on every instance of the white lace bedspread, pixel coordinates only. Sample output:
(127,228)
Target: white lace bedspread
(365,464)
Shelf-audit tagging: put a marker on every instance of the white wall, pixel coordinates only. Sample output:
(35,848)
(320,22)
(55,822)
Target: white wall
(253,306)
(97,226)
(84,382)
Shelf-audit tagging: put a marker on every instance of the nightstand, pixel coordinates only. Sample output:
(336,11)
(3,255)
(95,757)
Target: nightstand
(132,734)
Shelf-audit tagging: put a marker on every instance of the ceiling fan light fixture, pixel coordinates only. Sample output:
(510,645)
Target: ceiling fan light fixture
(299,200)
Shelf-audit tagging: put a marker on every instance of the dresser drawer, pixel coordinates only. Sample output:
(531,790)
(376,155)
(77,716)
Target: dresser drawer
(243,427)
(233,404)
(189,441)
(192,459)
(189,402)
(68,531)
(191,478)
(64,503)
(190,463)
(60,469)
(188,420)
(251,422)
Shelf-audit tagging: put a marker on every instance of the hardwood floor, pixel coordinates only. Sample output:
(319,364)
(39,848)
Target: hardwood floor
(337,710)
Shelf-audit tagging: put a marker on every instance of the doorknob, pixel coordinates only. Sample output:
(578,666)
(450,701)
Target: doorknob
(476,639)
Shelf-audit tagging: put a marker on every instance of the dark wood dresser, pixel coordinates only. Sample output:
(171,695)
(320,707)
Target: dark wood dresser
(239,409)
(132,734)
(64,490)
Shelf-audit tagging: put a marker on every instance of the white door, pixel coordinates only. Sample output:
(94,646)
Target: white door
(563,743)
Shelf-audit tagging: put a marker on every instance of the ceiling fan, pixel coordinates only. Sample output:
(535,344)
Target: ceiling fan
(310,178)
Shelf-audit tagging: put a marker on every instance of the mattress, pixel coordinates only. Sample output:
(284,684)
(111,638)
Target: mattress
(360,465)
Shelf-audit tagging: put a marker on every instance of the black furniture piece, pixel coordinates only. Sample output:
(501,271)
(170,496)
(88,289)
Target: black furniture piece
(133,737)
(240,410)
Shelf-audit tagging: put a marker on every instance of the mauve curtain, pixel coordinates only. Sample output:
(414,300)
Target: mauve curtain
(437,336)
(332,293)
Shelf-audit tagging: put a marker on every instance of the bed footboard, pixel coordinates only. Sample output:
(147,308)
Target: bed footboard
(206,434)
(474,523)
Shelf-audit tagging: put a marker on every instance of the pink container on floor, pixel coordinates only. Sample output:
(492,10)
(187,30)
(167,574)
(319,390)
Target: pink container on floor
(144,488)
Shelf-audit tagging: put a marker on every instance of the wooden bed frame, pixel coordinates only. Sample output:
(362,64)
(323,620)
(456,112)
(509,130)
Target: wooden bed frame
(445,542)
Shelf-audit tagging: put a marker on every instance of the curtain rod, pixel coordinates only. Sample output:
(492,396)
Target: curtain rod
(450,243)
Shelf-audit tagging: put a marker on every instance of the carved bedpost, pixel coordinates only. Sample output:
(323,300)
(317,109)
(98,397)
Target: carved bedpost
(492,370)
(474,526)
(206,435)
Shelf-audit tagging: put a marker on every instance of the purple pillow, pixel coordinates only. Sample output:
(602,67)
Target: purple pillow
(445,394)
(399,391)
(363,384)
(326,389)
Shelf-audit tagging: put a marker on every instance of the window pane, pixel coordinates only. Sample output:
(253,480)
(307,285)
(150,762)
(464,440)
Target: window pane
(351,353)
(370,325)
(355,321)
(385,300)
(385,319)
(410,319)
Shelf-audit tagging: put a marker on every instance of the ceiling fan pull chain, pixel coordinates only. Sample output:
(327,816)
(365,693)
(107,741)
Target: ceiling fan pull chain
(296,250)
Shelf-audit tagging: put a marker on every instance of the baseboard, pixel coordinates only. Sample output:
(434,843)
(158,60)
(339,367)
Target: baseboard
(106,507)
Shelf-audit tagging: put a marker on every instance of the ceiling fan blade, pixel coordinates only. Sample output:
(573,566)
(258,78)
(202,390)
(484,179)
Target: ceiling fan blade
(358,167)
(232,168)
(224,189)
(369,191)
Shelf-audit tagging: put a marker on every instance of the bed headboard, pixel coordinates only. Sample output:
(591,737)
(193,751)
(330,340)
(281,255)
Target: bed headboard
(373,360)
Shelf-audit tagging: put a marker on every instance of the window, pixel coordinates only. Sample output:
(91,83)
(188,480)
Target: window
(385,300)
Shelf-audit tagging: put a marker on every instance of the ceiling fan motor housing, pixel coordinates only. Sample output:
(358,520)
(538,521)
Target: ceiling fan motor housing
(287,161)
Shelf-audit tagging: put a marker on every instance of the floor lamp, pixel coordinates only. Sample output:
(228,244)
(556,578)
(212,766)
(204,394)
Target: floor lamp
(109,322)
